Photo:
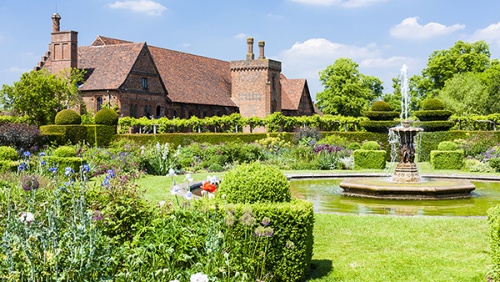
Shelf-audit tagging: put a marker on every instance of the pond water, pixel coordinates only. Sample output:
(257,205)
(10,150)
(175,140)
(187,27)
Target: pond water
(325,194)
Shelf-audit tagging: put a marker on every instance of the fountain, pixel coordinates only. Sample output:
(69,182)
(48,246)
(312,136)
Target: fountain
(406,182)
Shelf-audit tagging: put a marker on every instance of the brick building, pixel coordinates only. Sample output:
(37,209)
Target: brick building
(143,80)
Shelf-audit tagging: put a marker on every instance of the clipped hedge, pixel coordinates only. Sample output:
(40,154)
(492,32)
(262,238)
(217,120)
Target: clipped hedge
(494,224)
(106,116)
(433,115)
(365,159)
(430,104)
(291,246)
(380,106)
(255,183)
(437,125)
(65,152)
(68,116)
(447,159)
(94,134)
(378,126)
(381,115)
(447,146)
(100,135)
(8,154)
(370,145)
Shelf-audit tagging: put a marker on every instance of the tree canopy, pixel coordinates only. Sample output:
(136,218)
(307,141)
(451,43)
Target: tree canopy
(39,95)
(465,94)
(347,92)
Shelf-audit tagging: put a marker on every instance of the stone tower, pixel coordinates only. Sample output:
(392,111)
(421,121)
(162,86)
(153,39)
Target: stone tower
(63,48)
(255,83)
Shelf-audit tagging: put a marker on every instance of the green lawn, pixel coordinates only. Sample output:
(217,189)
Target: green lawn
(382,248)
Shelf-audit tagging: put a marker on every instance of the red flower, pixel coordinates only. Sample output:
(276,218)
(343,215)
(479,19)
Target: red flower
(209,187)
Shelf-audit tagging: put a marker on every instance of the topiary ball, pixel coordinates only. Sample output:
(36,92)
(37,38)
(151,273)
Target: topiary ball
(370,145)
(381,106)
(254,183)
(430,104)
(106,116)
(65,152)
(68,116)
(447,146)
(8,154)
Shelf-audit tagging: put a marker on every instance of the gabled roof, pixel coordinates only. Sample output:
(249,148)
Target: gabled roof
(291,92)
(194,79)
(102,40)
(109,65)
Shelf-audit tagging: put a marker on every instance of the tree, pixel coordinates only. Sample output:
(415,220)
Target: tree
(465,94)
(444,64)
(39,95)
(347,92)
(491,78)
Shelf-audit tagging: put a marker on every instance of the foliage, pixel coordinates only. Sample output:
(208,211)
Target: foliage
(49,92)
(106,116)
(494,163)
(306,135)
(381,126)
(432,104)
(473,165)
(447,159)
(8,154)
(20,136)
(434,125)
(334,139)
(474,144)
(369,159)
(65,152)
(381,115)
(159,159)
(63,134)
(380,106)
(494,225)
(331,157)
(255,183)
(465,94)
(347,92)
(430,115)
(447,146)
(370,145)
(68,116)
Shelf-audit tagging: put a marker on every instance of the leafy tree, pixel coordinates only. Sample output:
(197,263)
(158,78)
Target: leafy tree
(444,64)
(465,94)
(491,78)
(39,95)
(347,92)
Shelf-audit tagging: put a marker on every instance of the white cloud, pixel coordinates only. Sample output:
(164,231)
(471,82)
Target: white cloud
(341,3)
(392,62)
(15,69)
(241,36)
(490,34)
(409,28)
(147,7)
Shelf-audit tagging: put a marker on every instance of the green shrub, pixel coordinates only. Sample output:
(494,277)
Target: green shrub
(65,152)
(432,104)
(447,146)
(106,116)
(473,165)
(380,106)
(8,154)
(430,115)
(447,159)
(8,165)
(334,139)
(68,116)
(370,145)
(255,183)
(62,134)
(63,162)
(215,168)
(380,115)
(494,225)
(367,159)
(100,135)
(435,125)
(381,126)
(495,164)
(354,146)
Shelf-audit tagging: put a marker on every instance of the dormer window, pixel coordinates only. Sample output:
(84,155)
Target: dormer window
(144,83)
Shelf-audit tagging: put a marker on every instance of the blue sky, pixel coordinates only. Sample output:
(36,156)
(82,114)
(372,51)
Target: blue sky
(305,35)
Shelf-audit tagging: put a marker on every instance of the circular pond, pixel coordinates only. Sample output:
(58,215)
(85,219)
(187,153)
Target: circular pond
(326,196)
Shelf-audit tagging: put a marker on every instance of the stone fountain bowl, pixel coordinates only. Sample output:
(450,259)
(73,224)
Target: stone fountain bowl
(426,189)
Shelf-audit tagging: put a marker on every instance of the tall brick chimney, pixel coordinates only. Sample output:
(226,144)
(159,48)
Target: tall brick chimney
(261,49)
(250,55)
(63,47)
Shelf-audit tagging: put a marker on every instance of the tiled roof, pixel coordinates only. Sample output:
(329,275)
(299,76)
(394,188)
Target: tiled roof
(102,40)
(291,92)
(194,79)
(109,65)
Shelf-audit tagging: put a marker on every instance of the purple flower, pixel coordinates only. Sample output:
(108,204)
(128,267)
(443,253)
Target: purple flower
(97,215)
(265,221)
(111,173)
(268,232)
(30,182)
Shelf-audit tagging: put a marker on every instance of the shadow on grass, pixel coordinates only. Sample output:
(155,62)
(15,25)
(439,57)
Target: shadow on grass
(320,268)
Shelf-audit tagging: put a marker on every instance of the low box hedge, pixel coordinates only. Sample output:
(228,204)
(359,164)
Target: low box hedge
(382,115)
(447,159)
(364,159)
(433,115)
(378,125)
(437,125)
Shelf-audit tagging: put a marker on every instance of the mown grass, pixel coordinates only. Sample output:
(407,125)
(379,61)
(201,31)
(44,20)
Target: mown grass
(381,248)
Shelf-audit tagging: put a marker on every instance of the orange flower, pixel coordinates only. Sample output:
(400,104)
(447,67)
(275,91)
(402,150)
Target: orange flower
(209,187)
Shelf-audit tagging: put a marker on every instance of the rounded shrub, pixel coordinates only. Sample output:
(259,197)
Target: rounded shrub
(68,116)
(447,146)
(65,152)
(432,104)
(430,115)
(381,106)
(106,116)
(370,145)
(254,183)
(354,146)
(8,154)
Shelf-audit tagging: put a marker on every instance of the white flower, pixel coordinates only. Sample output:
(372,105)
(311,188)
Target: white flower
(142,150)
(158,146)
(175,190)
(189,195)
(171,172)
(161,204)
(199,277)
(213,179)
(188,177)
(27,217)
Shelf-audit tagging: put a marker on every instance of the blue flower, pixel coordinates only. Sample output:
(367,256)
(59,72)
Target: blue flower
(111,173)
(43,162)
(26,154)
(42,154)
(53,169)
(105,183)
(68,171)
(85,168)
(22,166)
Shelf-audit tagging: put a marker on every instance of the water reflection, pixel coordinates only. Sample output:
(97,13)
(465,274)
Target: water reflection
(326,197)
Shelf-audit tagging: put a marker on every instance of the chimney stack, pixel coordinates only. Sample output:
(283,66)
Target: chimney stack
(56,25)
(250,55)
(261,49)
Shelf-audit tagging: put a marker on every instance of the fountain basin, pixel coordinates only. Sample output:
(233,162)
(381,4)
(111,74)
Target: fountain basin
(426,189)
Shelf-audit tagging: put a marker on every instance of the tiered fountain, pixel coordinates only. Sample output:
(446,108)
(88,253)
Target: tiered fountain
(406,182)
